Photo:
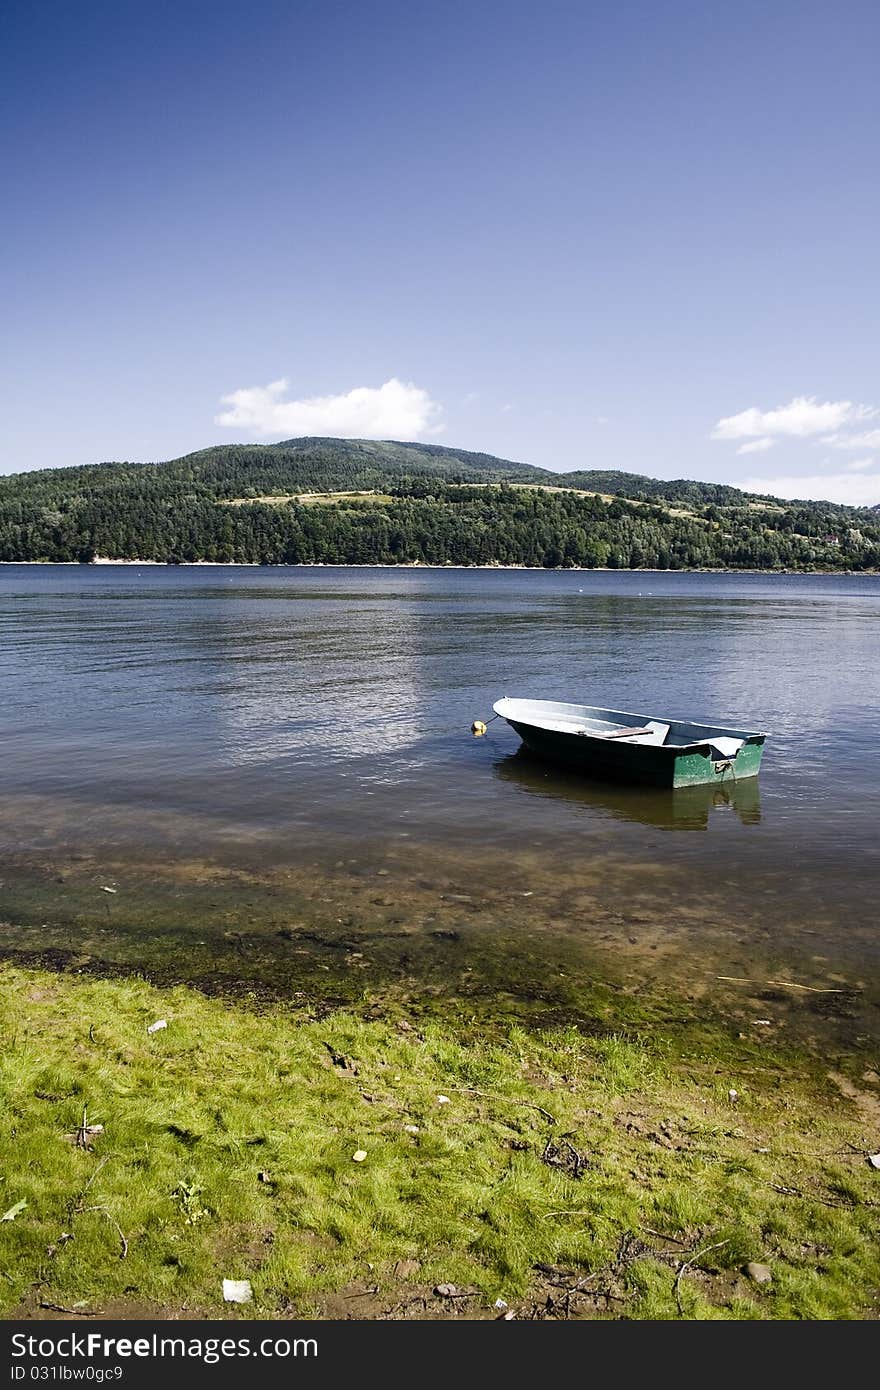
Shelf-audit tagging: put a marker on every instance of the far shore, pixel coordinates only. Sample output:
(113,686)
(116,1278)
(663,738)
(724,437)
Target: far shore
(102,563)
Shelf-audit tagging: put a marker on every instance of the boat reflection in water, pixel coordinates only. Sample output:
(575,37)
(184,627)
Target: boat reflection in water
(678,808)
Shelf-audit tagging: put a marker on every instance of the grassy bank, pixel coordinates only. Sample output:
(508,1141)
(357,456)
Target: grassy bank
(568,1174)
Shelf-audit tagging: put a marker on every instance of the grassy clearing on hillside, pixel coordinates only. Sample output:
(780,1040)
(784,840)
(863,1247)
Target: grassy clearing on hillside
(308,499)
(569,1175)
(379,498)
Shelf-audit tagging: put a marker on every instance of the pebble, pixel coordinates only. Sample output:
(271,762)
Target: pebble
(411,1129)
(874,1160)
(762,1274)
(359,1156)
(443,1100)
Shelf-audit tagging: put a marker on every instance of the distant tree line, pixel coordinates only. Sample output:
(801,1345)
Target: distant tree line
(208,507)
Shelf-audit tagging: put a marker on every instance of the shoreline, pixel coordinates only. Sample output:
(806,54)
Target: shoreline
(420,565)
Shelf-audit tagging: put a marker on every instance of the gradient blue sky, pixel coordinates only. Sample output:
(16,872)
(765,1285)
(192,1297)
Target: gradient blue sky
(579,235)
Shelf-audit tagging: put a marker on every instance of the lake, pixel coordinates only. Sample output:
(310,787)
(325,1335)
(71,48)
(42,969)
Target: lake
(267,776)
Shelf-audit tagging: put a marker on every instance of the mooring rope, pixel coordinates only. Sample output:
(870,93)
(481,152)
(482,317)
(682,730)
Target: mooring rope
(479,726)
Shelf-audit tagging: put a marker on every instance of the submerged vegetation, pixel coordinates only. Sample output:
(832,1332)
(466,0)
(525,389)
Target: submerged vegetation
(363,1165)
(387,503)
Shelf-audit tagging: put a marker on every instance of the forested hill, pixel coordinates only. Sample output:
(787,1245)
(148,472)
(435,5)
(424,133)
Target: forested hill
(335,501)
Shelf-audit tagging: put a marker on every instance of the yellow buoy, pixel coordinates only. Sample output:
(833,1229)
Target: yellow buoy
(478,728)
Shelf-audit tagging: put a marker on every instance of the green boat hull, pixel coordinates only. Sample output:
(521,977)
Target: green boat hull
(652,765)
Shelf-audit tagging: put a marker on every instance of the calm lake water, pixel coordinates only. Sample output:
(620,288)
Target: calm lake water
(273,770)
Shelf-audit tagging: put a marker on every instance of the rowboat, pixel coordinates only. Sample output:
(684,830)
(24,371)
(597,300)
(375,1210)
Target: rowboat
(621,746)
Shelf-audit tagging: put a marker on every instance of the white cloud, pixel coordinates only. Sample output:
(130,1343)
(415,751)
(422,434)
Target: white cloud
(869,439)
(395,410)
(859,465)
(803,416)
(849,488)
(756,446)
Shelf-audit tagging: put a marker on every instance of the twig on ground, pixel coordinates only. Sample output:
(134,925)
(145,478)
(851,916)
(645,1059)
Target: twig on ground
(507,1100)
(688,1264)
(787,984)
(661,1235)
(113,1222)
(74,1312)
(77,1208)
(814,1197)
(574,1164)
(105,1159)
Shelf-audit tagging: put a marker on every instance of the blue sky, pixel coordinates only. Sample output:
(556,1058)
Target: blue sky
(625,235)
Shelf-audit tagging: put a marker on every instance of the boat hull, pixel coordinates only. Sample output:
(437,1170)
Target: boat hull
(689,759)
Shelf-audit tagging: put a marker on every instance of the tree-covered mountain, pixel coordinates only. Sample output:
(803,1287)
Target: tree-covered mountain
(341,501)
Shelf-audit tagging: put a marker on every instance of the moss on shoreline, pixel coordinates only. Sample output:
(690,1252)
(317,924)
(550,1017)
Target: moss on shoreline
(569,1174)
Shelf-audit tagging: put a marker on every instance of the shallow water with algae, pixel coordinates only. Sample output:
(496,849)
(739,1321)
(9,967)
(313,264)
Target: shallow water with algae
(264,780)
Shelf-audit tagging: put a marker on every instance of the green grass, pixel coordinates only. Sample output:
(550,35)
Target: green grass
(227,1152)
